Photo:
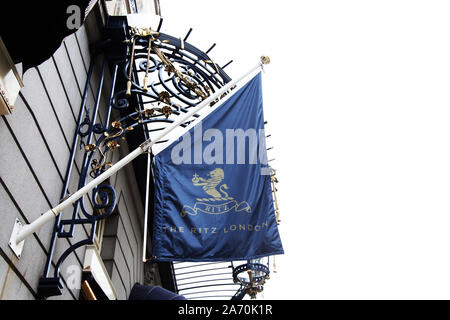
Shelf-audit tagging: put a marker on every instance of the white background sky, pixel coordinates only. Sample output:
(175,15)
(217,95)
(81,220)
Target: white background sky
(358,102)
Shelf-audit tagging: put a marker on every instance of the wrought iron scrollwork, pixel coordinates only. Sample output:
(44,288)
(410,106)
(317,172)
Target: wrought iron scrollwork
(159,78)
(256,275)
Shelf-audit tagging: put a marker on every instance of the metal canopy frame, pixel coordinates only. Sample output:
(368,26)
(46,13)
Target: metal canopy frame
(156,79)
(145,107)
(198,281)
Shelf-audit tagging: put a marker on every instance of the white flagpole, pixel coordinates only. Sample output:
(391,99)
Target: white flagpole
(147,192)
(28,229)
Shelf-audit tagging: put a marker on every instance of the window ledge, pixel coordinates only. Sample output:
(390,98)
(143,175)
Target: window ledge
(93,263)
(10,81)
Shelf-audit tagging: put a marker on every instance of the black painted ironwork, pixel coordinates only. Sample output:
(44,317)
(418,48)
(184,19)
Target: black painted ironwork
(251,276)
(154,78)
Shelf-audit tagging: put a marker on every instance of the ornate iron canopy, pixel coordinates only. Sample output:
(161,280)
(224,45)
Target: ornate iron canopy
(155,78)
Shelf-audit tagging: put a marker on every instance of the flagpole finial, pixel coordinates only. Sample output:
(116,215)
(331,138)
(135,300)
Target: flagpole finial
(265,60)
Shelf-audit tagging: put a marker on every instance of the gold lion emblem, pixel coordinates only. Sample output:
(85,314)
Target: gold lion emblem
(210,185)
(219,202)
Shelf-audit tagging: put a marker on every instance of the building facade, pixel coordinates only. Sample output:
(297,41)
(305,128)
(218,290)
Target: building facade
(72,106)
(37,141)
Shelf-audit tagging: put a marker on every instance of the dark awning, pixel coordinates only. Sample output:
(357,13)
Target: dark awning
(33,30)
(140,292)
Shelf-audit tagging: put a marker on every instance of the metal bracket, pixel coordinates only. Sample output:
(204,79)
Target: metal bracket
(16,247)
(145,146)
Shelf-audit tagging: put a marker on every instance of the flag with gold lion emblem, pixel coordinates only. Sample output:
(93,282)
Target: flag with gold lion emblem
(213,196)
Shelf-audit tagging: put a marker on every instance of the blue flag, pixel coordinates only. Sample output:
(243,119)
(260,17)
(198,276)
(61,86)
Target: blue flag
(213,196)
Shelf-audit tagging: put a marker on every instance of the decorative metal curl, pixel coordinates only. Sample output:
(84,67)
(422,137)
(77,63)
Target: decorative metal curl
(192,74)
(143,64)
(254,284)
(177,77)
(104,197)
(120,103)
